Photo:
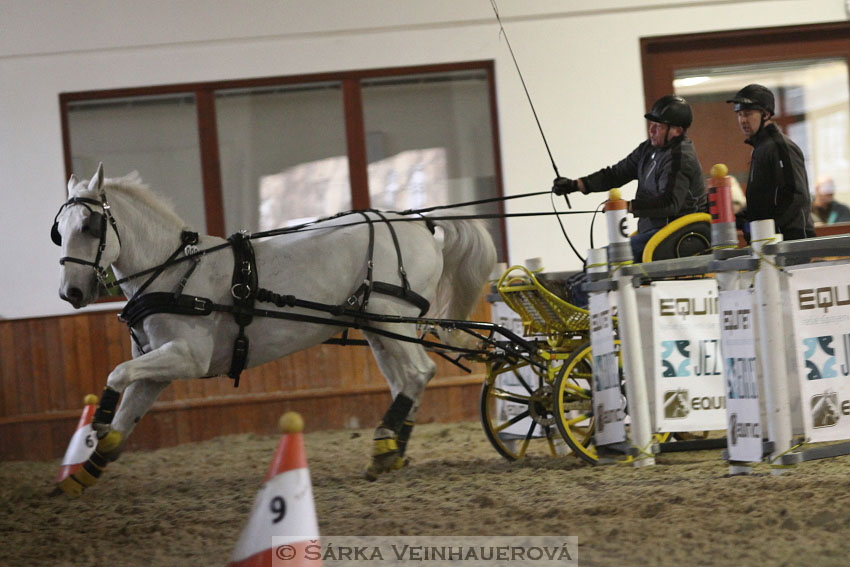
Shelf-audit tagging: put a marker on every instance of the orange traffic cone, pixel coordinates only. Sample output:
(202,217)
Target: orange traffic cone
(283,509)
(83,442)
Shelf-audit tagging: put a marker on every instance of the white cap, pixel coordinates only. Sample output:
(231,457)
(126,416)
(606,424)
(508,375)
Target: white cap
(825,186)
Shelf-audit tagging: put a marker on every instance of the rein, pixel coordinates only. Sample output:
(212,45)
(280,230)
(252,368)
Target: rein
(310,226)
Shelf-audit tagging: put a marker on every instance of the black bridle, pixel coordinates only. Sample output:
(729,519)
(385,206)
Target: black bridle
(95,226)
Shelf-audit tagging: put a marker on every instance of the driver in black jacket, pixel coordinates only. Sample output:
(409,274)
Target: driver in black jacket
(669,176)
(778,187)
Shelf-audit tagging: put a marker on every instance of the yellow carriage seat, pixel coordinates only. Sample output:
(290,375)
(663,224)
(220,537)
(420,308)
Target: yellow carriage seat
(689,235)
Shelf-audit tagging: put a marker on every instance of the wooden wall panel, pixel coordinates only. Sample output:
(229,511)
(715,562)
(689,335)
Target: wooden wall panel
(48,365)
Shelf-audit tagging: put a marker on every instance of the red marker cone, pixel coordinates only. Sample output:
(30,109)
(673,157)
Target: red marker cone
(83,442)
(283,509)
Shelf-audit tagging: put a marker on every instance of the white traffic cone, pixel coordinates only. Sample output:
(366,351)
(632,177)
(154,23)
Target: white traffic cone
(283,509)
(82,444)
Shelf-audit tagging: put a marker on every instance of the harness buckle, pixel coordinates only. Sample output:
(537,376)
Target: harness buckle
(240,291)
(200,304)
(246,267)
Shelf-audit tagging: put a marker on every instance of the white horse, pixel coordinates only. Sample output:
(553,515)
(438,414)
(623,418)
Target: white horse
(120,223)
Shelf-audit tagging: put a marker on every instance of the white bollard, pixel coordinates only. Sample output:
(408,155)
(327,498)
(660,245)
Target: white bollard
(620,254)
(772,342)
(597,263)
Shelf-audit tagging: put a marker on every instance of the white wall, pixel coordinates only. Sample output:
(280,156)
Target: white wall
(580,59)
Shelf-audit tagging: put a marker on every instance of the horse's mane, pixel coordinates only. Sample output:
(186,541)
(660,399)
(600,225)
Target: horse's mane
(132,186)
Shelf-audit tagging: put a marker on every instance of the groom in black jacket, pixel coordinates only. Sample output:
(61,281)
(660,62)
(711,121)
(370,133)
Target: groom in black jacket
(778,187)
(669,176)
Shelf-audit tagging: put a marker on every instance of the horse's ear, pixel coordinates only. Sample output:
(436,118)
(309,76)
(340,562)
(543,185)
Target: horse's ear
(96,182)
(72,182)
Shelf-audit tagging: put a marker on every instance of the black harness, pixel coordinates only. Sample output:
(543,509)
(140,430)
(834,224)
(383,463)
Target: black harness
(95,226)
(245,291)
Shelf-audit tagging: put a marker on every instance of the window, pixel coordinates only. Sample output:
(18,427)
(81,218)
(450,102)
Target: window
(154,135)
(265,153)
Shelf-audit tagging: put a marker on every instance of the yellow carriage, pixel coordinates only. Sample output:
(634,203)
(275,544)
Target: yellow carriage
(541,406)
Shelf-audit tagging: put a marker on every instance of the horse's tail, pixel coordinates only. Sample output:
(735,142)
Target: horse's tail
(468,259)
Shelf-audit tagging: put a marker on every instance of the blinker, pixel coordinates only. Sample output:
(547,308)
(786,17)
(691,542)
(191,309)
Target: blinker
(94,226)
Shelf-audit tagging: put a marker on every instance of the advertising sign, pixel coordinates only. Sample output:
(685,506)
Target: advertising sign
(737,338)
(687,364)
(819,298)
(608,402)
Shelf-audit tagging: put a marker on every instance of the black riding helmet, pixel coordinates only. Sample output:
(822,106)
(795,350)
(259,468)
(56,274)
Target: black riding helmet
(672,110)
(756,97)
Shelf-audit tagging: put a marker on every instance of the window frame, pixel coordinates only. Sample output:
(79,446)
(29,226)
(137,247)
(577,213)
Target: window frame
(204,93)
(661,56)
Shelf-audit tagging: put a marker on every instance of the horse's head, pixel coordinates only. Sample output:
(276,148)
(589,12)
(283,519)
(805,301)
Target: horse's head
(86,231)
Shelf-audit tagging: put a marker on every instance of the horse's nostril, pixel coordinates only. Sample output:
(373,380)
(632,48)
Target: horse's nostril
(75,294)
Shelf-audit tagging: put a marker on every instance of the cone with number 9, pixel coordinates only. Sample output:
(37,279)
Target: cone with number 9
(282,528)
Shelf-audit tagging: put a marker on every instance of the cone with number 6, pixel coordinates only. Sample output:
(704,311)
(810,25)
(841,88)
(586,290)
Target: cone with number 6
(83,442)
(282,528)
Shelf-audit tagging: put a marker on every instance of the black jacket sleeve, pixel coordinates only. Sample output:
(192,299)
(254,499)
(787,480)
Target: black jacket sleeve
(616,175)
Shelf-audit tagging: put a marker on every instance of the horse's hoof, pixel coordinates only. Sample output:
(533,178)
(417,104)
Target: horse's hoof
(399,463)
(371,474)
(384,459)
(69,487)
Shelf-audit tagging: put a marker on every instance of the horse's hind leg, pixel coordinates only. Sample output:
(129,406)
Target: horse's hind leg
(407,369)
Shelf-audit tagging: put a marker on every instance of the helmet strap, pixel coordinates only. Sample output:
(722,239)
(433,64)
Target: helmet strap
(763,120)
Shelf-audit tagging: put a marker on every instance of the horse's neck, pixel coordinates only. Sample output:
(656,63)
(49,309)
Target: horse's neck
(147,237)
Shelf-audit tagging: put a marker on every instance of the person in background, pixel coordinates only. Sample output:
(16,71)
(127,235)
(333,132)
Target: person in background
(777,187)
(666,167)
(825,208)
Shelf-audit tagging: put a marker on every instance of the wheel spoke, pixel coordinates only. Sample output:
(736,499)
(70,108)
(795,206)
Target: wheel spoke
(583,392)
(524,447)
(515,419)
(575,420)
(522,381)
(510,396)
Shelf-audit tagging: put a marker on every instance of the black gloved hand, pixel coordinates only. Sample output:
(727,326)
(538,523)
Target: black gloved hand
(564,186)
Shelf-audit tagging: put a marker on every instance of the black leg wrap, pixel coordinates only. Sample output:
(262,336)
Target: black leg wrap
(98,459)
(404,436)
(394,418)
(106,408)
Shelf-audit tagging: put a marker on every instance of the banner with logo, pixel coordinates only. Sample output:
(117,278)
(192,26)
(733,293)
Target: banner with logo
(737,339)
(820,304)
(608,402)
(687,364)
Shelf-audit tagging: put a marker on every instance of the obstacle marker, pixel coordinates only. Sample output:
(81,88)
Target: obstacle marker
(283,509)
(83,442)
(619,256)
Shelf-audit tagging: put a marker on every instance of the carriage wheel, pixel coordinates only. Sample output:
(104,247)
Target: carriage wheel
(573,405)
(516,412)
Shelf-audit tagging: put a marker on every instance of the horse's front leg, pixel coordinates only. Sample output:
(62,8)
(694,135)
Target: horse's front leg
(141,380)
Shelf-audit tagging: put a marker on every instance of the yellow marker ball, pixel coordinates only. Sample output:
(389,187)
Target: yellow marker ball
(90,400)
(291,422)
(614,195)
(719,170)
